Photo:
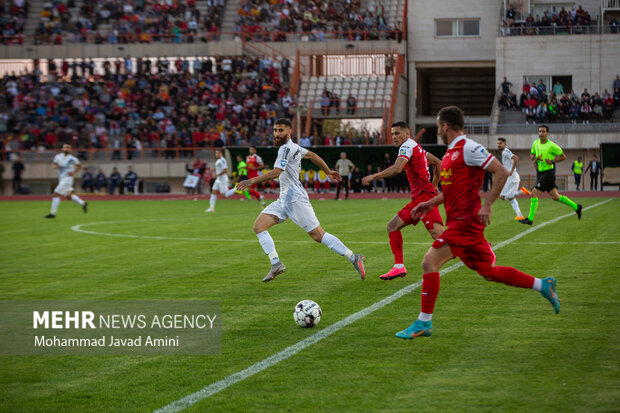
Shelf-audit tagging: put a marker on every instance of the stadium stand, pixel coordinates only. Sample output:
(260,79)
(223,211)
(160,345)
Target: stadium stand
(13,16)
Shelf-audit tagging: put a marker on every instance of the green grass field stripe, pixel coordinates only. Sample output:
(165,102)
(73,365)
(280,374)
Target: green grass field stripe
(290,351)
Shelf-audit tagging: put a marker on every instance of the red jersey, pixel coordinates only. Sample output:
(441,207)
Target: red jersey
(416,168)
(253,161)
(462,172)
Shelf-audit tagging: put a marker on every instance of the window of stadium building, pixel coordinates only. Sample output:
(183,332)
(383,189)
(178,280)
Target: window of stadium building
(457,27)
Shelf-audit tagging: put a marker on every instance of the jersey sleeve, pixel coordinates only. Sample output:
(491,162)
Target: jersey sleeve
(56,161)
(557,150)
(282,160)
(475,154)
(303,151)
(405,151)
(259,160)
(77,161)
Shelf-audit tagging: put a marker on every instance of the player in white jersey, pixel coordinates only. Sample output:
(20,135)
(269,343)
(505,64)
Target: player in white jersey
(293,201)
(221,180)
(67,165)
(511,187)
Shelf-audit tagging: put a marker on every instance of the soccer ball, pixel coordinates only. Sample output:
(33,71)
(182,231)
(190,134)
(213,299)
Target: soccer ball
(307,313)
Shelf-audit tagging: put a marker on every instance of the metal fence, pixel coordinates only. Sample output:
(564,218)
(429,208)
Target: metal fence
(599,127)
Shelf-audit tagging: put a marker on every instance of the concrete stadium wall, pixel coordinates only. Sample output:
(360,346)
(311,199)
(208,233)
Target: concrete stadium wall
(592,60)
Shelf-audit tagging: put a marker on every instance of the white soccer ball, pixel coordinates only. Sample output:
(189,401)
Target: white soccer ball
(307,313)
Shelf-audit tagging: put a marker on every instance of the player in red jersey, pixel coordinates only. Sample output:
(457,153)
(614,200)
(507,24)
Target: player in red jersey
(414,160)
(255,164)
(462,172)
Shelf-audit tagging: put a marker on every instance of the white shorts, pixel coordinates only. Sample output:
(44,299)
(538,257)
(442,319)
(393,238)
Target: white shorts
(220,184)
(511,186)
(300,212)
(65,186)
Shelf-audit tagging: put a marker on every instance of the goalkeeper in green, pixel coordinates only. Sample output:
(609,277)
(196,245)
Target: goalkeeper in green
(546,154)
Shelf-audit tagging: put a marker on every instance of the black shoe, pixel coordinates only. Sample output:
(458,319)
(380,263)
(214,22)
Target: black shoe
(579,207)
(50,216)
(85,207)
(526,221)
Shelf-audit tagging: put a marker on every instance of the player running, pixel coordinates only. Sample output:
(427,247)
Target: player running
(293,202)
(414,160)
(67,165)
(255,164)
(221,180)
(462,171)
(511,189)
(546,154)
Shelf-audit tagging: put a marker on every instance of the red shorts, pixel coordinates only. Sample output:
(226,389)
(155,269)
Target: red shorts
(467,242)
(432,217)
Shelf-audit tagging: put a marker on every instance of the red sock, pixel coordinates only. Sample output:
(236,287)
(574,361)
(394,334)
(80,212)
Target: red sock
(430,289)
(396,243)
(254,193)
(509,276)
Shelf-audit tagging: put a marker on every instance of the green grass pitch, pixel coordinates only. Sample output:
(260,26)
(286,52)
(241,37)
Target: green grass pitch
(494,348)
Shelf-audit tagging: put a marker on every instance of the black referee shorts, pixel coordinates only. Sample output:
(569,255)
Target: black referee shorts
(545,181)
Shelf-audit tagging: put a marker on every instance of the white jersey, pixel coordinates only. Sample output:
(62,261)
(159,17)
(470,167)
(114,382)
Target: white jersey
(289,160)
(220,165)
(66,164)
(507,161)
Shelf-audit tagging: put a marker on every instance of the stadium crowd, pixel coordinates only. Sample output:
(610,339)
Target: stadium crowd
(137,105)
(13,15)
(129,21)
(558,105)
(577,20)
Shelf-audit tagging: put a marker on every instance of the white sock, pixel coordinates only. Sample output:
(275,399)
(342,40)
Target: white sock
(212,201)
(230,192)
(268,246)
(515,206)
(337,246)
(399,265)
(55,203)
(537,284)
(77,200)
(425,317)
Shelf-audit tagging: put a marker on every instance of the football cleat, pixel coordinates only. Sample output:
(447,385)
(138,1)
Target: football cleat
(85,207)
(358,264)
(276,269)
(548,291)
(525,191)
(417,329)
(210,210)
(394,273)
(50,216)
(526,221)
(262,201)
(518,218)
(579,208)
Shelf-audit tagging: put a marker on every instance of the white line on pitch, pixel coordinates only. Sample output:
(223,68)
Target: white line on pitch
(290,351)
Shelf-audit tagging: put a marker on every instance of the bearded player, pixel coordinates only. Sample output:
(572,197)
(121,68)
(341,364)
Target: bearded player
(414,160)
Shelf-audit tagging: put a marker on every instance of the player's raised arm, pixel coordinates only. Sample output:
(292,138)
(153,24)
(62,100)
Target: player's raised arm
(318,161)
(395,169)
(269,176)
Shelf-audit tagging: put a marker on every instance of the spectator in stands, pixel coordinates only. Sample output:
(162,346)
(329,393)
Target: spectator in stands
(613,25)
(510,16)
(101,181)
(325,102)
(574,111)
(389,65)
(335,103)
(585,111)
(356,180)
(608,109)
(597,112)
(18,169)
(351,104)
(530,114)
(558,89)
(115,181)
(130,181)
(616,85)
(88,184)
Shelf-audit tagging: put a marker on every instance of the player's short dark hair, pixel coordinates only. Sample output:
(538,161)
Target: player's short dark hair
(283,121)
(502,139)
(252,146)
(544,126)
(400,124)
(219,150)
(452,116)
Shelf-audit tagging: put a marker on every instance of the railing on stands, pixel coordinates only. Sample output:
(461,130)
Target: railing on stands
(610,4)
(555,128)
(404,20)
(201,37)
(477,128)
(555,30)
(398,70)
(110,154)
(351,65)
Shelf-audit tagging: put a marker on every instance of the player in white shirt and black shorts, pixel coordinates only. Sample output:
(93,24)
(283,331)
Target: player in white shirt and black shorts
(221,180)
(293,201)
(67,165)
(511,187)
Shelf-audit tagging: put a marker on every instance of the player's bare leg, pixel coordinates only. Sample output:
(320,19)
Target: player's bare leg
(261,225)
(333,243)
(396,245)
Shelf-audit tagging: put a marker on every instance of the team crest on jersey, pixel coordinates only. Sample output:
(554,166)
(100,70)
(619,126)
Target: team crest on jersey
(283,163)
(455,156)
(402,151)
